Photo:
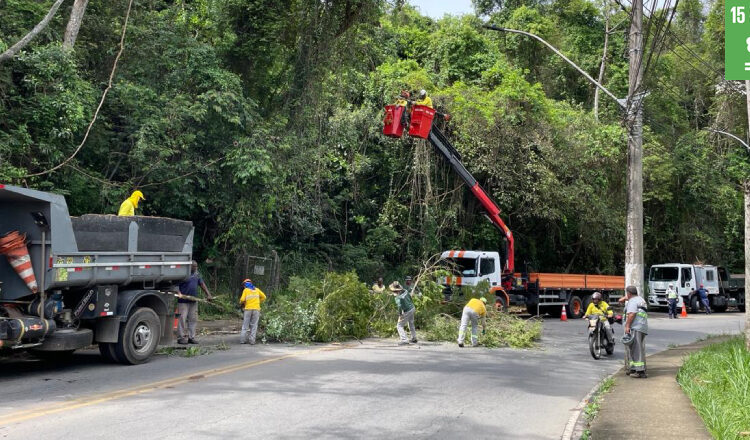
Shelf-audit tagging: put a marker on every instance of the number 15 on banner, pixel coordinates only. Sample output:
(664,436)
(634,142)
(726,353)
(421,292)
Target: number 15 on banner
(737,39)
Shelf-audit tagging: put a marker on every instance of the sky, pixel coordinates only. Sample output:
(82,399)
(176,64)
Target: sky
(437,8)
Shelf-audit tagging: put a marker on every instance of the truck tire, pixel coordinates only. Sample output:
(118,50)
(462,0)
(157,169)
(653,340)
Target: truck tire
(695,305)
(575,307)
(139,337)
(531,309)
(720,309)
(107,351)
(500,305)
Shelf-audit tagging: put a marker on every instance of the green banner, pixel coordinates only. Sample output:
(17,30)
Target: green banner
(737,39)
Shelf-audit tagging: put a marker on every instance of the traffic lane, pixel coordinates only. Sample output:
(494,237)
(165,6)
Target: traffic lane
(572,335)
(29,382)
(510,383)
(435,391)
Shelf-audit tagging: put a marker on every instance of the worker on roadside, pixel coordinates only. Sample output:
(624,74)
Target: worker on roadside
(703,295)
(127,208)
(636,328)
(378,287)
(250,300)
(188,308)
(473,310)
(598,307)
(672,301)
(423,99)
(406,312)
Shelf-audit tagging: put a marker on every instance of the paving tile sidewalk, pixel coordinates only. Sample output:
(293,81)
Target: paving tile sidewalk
(652,408)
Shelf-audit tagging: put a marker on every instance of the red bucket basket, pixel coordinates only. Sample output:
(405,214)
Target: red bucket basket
(421,121)
(392,122)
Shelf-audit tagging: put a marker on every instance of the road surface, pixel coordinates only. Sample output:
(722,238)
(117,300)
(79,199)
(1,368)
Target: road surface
(373,389)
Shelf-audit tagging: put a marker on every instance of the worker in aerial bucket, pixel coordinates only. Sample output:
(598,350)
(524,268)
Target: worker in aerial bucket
(127,208)
(403,101)
(423,99)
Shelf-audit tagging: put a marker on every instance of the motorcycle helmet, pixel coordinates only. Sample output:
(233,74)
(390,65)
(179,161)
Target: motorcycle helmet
(627,339)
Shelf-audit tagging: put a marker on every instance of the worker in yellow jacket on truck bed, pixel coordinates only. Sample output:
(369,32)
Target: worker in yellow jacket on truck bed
(474,309)
(127,208)
(250,300)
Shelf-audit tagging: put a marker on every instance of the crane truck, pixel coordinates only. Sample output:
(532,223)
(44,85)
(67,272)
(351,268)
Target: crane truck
(69,282)
(534,290)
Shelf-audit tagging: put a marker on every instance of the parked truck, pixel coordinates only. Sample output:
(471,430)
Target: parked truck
(535,291)
(69,282)
(724,289)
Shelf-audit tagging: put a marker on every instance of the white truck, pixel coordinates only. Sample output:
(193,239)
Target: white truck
(724,289)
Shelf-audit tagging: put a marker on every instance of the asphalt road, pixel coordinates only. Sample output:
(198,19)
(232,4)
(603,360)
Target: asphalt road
(370,390)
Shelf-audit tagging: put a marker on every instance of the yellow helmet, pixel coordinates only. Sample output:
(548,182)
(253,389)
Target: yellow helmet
(137,195)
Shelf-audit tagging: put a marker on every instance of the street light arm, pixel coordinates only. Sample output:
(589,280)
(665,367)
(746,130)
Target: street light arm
(744,144)
(619,102)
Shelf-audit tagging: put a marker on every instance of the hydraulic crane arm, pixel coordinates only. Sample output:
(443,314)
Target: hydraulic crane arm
(441,144)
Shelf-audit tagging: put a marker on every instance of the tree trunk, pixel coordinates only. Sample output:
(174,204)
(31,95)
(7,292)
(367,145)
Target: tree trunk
(13,50)
(74,23)
(603,64)
(634,225)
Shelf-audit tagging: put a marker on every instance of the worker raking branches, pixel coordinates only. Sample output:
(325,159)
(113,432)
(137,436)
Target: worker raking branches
(473,310)
(406,312)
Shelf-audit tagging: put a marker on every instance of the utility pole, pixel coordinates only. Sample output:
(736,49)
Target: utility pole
(746,188)
(634,118)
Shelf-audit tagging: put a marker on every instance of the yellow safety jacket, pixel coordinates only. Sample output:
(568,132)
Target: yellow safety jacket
(126,208)
(252,298)
(477,306)
(603,309)
(427,101)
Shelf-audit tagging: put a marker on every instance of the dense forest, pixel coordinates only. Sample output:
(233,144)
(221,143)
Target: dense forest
(260,121)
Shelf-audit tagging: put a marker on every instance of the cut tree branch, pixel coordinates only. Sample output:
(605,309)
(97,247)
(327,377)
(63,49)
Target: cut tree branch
(13,50)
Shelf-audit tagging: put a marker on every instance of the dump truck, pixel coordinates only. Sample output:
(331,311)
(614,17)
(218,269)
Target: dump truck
(724,289)
(535,291)
(69,282)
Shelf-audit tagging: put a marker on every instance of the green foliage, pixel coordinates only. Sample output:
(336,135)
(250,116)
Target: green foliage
(260,122)
(716,380)
(289,320)
(345,310)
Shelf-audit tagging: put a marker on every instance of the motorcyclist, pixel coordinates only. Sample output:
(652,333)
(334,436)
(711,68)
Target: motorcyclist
(601,308)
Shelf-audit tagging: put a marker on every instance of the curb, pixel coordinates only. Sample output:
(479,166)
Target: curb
(574,422)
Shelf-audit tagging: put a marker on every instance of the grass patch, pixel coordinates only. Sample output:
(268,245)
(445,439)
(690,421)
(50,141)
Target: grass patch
(592,407)
(717,381)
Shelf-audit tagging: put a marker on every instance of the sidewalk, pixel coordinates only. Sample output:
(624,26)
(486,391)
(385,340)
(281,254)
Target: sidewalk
(652,408)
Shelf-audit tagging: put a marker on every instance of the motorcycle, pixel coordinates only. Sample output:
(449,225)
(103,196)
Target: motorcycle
(598,335)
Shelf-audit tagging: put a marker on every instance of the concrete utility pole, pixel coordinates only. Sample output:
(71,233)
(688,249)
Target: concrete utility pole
(746,187)
(634,118)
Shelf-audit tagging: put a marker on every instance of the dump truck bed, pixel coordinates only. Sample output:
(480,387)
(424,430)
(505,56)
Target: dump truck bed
(91,249)
(578,281)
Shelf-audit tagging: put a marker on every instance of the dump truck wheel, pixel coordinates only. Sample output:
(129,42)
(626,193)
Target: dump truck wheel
(575,307)
(139,337)
(108,352)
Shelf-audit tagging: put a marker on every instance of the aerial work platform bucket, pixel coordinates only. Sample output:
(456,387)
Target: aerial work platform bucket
(421,121)
(392,122)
